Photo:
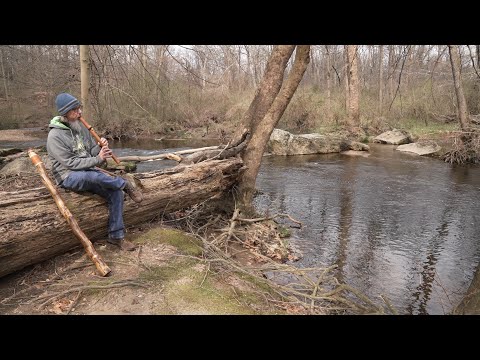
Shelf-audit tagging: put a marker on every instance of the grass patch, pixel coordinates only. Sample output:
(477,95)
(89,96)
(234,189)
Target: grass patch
(328,128)
(184,243)
(209,299)
(171,272)
(283,231)
(194,294)
(421,129)
(159,273)
(188,291)
(262,285)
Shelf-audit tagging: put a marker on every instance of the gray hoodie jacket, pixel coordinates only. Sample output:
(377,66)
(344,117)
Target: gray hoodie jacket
(69,150)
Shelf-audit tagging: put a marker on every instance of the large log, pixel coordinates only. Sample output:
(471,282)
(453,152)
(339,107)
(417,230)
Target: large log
(33,230)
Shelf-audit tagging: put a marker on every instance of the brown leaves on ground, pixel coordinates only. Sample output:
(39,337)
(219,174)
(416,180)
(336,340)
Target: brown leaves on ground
(60,306)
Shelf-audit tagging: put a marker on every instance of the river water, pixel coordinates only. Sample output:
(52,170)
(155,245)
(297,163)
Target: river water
(396,224)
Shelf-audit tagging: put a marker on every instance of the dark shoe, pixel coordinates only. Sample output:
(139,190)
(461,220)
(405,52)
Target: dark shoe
(135,195)
(123,244)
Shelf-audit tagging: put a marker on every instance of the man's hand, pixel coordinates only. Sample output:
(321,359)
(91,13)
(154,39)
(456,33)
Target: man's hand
(105,153)
(103,142)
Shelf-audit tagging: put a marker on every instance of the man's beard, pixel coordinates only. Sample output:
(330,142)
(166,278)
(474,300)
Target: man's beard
(75,126)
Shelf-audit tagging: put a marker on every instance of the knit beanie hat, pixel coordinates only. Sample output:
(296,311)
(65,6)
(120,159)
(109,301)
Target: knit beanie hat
(66,102)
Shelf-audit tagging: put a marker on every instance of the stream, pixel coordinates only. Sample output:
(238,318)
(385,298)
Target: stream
(395,224)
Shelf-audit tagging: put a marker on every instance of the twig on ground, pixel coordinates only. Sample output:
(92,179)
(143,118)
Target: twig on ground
(116,284)
(74,302)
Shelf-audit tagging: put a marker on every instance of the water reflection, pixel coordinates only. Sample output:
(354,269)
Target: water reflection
(470,304)
(395,224)
(435,244)
(346,194)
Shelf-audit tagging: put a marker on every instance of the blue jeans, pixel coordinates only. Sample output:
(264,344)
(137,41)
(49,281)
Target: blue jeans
(108,187)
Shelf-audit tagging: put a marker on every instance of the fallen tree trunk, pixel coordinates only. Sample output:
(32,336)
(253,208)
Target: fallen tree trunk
(32,229)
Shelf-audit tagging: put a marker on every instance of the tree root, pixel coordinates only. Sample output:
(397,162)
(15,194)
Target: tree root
(465,148)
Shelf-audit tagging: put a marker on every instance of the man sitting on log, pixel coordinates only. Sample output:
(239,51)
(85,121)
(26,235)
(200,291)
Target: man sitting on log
(74,156)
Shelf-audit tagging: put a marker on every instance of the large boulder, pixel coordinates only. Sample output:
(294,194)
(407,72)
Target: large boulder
(278,142)
(426,147)
(313,144)
(284,143)
(394,137)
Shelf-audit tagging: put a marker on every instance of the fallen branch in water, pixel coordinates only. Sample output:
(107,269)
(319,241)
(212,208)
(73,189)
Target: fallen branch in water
(221,152)
(270,218)
(172,156)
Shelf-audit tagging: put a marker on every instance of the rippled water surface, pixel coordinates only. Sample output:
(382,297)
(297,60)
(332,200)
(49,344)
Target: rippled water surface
(396,224)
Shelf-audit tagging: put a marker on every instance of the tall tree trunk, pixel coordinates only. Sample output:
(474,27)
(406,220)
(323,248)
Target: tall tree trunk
(477,47)
(65,52)
(370,67)
(353,113)
(256,64)
(268,89)
(463,115)
(143,51)
(255,148)
(391,70)
(478,68)
(380,80)
(85,80)
(248,72)
(160,51)
(3,74)
(347,79)
(408,64)
(328,73)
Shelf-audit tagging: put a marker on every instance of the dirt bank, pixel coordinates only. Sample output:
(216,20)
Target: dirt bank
(22,134)
(165,275)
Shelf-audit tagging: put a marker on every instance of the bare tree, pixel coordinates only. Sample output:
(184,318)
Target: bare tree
(143,63)
(268,88)
(85,79)
(263,122)
(3,74)
(352,95)
(347,79)
(391,69)
(463,115)
(165,89)
(478,55)
(328,74)
(380,80)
